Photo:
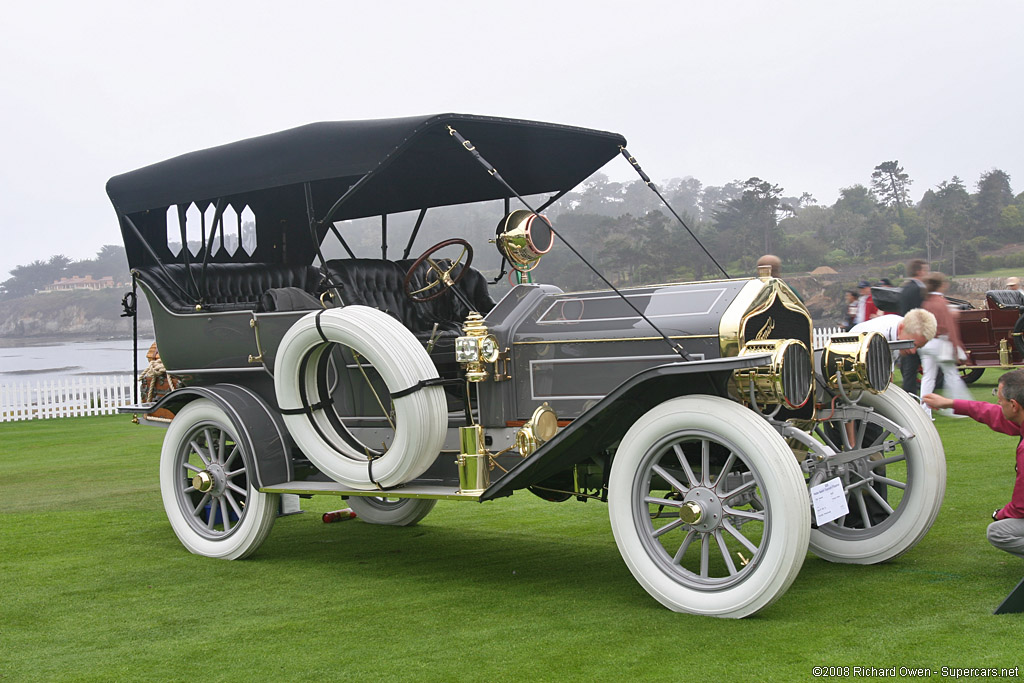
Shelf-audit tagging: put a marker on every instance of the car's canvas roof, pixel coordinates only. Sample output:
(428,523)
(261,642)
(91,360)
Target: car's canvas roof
(404,163)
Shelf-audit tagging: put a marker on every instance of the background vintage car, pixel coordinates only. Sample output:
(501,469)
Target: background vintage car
(991,335)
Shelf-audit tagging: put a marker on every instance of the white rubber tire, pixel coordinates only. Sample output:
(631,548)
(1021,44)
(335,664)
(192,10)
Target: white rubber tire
(259,509)
(400,360)
(787,514)
(389,512)
(926,486)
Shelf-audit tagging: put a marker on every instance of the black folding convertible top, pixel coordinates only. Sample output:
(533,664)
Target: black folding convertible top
(392,165)
(415,161)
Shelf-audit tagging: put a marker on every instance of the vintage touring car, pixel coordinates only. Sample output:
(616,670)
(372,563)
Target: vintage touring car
(698,411)
(993,336)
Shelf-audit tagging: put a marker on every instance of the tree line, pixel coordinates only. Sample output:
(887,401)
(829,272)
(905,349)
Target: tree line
(625,231)
(637,241)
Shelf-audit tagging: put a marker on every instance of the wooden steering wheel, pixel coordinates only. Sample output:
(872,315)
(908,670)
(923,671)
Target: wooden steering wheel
(441,270)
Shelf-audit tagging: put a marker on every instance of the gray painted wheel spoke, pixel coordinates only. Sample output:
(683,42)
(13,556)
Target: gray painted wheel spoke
(888,461)
(668,527)
(705,554)
(705,462)
(739,489)
(863,508)
(678,557)
(202,502)
(684,464)
(725,469)
(231,457)
(745,514)
(879,439)
(212,516)
(237,489)
(210,444)
(824,437)
(189,489)
(233,503)
(735,533)
(224,517)
(199,451)
(861,430)
(220,447)
(725,552)
(232,475)
(663,501)
(190,466)
(878,499)
(845,435)
(889,482)
(672,481)
(856,485)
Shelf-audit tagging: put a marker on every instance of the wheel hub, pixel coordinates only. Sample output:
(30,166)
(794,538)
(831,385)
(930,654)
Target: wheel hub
(703,507)
(212,479)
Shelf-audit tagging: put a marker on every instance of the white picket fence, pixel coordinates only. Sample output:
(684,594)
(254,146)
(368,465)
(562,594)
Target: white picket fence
(65,397)
(821,335)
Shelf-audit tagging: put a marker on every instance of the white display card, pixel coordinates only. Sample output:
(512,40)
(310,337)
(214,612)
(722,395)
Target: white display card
(829,501)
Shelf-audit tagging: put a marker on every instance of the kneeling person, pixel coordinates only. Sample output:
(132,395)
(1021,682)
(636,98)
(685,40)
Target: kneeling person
(1007,531)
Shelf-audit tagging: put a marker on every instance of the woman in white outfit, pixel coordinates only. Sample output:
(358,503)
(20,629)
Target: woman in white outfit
(941,353)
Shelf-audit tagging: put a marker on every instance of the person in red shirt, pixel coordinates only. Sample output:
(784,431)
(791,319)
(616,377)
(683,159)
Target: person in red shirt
(1007,531)
(866,309)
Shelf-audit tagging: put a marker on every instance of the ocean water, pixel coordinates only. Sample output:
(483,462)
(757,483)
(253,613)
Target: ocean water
(29,364)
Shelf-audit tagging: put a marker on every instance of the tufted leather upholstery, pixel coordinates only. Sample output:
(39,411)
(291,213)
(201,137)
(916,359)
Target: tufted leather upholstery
(379,283)
(225,286)
(1005,298)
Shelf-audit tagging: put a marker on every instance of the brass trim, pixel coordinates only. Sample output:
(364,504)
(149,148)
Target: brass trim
(756,297)
(615,339)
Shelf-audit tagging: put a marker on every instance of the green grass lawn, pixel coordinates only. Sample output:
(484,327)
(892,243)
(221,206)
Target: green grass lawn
(95,586)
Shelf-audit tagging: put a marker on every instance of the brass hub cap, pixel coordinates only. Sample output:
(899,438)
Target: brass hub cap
(703,507)
(212,479)
(690,513)
(202,482)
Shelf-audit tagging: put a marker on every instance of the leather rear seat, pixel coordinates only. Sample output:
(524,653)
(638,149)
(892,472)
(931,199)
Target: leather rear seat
(224,286)
(1005,298)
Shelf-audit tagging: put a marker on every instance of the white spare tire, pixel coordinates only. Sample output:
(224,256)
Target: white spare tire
(420,417)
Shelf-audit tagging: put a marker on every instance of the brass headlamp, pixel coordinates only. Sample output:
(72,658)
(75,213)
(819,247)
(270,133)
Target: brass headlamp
(853,362)
(786,380)
(523,237)
(541,427)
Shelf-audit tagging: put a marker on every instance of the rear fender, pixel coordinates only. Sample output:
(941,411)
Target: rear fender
(256,424)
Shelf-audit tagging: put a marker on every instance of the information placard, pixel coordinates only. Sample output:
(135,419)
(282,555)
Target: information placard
(829,501)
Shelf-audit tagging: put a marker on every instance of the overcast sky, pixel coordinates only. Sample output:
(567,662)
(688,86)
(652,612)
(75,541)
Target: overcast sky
(810,95)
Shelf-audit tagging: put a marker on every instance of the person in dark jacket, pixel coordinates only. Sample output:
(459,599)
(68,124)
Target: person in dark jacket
(1006,531)
(911,297)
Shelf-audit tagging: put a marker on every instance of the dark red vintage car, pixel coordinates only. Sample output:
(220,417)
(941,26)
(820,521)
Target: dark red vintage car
(991,335)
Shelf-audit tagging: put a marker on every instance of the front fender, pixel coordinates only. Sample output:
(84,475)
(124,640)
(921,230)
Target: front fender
(607,421)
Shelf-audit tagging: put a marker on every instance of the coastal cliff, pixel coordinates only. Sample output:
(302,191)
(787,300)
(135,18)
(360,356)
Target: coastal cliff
(71,315)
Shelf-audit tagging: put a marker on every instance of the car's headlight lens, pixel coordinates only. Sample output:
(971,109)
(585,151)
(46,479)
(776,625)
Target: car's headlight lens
(857,362)
(786,380)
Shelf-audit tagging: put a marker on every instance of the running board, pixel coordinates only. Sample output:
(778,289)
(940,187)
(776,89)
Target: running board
(332,488)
